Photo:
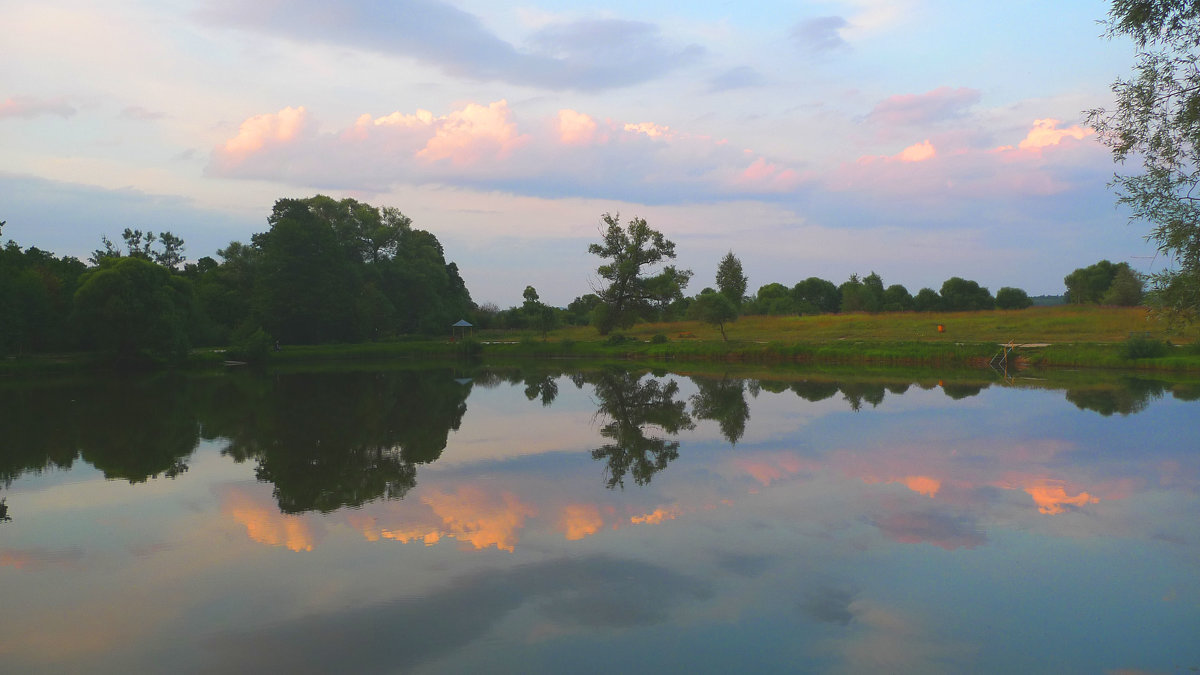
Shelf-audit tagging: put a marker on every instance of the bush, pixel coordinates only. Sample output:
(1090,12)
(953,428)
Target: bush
(658,339)
(251,346)
(1143,348)
(615,340)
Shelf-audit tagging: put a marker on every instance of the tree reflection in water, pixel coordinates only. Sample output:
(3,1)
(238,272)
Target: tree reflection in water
(333,440)
(724,401)
(631,405)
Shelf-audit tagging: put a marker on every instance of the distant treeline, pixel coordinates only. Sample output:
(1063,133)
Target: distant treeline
(1091,285)
(324,271)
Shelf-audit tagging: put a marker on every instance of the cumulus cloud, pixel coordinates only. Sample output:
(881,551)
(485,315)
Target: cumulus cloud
(28,107)
(584,55)
(1047,162)
(917,109)
(1046,133)
(821,34)
(485,146)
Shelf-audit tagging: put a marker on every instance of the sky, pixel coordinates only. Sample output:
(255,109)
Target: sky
(919,139)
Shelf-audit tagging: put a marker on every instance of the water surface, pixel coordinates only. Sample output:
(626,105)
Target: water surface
(598,520)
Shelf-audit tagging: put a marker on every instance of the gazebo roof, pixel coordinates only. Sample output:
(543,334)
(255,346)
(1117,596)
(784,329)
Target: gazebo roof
(462,323)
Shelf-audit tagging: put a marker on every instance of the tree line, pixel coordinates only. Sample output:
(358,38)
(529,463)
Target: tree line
(324,271)
(637,284)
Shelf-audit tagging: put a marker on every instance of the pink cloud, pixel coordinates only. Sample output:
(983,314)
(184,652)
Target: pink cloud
(932,106)
(764,176)
(264,130)
(472,134)
(575,128)
(1045,133)
(649,129)
(26,106)
(918,152)
(482,145)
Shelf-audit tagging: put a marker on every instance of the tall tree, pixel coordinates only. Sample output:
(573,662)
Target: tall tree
(1157,118)
(630,292)
(731,281)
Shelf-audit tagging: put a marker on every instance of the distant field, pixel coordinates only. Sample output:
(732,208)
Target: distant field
(1054,325)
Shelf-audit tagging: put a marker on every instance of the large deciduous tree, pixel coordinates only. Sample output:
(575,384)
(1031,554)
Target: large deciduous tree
(631,293)
(1157,118)
(132,308)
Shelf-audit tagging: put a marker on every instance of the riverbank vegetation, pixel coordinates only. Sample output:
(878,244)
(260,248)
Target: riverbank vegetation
(338,280)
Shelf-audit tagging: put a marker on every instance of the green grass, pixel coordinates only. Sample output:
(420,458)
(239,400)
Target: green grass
(1079,337)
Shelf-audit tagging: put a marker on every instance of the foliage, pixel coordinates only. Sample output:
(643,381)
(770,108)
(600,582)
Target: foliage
(330,270)
(731,281)
(659,339)
(772,299)
(862,295)
(616,340)
(962,295)
(715,309)
(630,293)
(1157,119)
(897,299)
(539,316)
(1088,285)
(1012,298)
(132,308)
(1138,347)
(927,300)
(36,291)
(816,296)
(1126,290)
(251,346)
(579,310)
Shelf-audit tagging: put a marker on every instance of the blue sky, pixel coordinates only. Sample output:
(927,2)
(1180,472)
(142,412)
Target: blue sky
(915,138)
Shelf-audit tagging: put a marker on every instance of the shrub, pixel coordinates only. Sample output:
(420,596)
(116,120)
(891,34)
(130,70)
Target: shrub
(1143,348)
(251,346)
(615,340)
(658,339)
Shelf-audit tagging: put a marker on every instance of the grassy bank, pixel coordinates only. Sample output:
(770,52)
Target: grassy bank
(1075,337)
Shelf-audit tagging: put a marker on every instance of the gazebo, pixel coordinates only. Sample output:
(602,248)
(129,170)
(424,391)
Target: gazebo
(460,329)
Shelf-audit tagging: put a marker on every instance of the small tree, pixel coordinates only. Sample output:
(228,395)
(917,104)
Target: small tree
(715,309)
(730,280)
(1126,290)
(538,315)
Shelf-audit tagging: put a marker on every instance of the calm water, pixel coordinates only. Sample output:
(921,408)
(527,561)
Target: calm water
(598,521)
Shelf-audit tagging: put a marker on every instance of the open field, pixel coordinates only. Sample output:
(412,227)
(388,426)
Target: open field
(1054,325)
(1083,337)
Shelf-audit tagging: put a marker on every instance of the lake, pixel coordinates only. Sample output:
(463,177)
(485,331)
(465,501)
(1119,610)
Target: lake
(565,518)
